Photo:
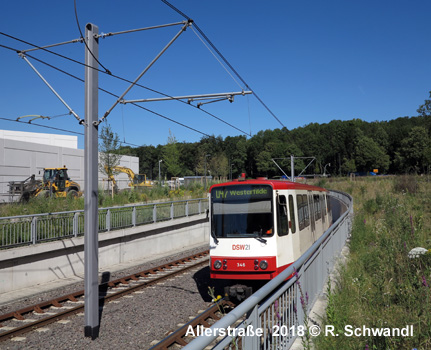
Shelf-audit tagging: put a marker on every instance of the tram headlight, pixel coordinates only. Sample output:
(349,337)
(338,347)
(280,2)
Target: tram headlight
(264,264)
(217,264)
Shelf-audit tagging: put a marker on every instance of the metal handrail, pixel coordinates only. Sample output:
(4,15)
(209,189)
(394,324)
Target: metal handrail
(35,228)
(274,292)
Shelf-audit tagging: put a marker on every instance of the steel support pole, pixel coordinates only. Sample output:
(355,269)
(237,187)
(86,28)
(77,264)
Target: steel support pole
(160,180)
(292,168)
(91,244)
(205,174)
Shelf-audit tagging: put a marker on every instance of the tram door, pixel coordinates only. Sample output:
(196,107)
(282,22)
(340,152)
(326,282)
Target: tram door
(283,238)
(312,216)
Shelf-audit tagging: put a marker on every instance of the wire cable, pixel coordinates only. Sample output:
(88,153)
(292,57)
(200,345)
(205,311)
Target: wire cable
(82,37)
(42,48)
(122,119)
(59,115)
(114,95)
(43,126)
(236,73)
(8,47)
(112,75)
(212,53)
(59,129)
(223,58)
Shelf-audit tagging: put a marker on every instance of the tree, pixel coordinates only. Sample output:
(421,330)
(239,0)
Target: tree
(425,112)
(171,156)
(109,156)
(109,146)
(416,150)
(188,156)
(369,155)
(264,163)
(348,166)
(425,109)
(236,152)
(219,165)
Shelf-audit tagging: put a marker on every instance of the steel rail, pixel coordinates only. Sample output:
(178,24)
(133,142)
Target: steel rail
(110,285)
(177,337)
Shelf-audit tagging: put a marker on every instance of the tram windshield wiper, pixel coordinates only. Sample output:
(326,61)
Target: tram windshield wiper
(213,235)
(259,237)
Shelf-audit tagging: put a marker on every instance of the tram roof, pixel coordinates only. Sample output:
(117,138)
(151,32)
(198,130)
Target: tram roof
(275,184)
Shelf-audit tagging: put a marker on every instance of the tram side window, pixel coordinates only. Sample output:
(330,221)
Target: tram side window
(303,212)
(282,227)
(292,214)
(300,212)
(306,210)
(322,207)
(316,207)
(328,203)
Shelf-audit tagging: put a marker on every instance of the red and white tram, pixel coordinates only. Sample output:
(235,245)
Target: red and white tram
(260,227)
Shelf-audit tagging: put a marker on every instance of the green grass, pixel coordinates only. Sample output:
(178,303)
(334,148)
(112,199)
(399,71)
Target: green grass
(60,225)
(380,286)
(144,195)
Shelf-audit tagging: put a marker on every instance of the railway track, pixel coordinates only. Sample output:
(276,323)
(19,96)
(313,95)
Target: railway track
(180,338)
(18,322)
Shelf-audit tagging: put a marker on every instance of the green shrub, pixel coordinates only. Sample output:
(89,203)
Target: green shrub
(406,184)
(380,286)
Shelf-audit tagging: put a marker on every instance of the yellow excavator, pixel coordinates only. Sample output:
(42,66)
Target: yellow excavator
(55,182)
(135,180)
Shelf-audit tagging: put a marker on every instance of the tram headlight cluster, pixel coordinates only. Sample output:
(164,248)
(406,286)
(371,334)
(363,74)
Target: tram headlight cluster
(263,264)
(217,264)
(257,264)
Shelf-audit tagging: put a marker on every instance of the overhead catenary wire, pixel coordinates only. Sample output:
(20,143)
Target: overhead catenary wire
(183,28)
(43,126)
(114,95)
(114,76)
(41,48)
(59,115)
(212,53)
(54,91)
(82,38)
(223,58)
(59,129)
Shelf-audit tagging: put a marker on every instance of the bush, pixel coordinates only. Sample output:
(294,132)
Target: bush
(380,286)
(406,184)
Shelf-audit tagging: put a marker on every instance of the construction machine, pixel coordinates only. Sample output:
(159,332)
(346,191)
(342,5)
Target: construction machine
(55,182)
(135,180)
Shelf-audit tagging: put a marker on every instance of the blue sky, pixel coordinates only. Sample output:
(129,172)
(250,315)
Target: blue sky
(309,61)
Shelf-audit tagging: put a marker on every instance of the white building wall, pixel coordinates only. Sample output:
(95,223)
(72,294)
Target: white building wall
(19,160)
(41,138)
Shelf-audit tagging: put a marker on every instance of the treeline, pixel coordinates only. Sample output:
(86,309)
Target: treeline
(402,145)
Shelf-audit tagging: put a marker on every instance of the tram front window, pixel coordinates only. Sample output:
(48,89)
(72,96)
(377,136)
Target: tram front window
(242,211)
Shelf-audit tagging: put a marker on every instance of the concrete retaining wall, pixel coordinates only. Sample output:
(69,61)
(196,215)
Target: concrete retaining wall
(25,267)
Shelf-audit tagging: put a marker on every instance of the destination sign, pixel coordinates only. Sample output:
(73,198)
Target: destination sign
(220,194)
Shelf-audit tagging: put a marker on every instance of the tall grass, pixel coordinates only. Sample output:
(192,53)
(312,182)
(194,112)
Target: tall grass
(380,286)
(144,195)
